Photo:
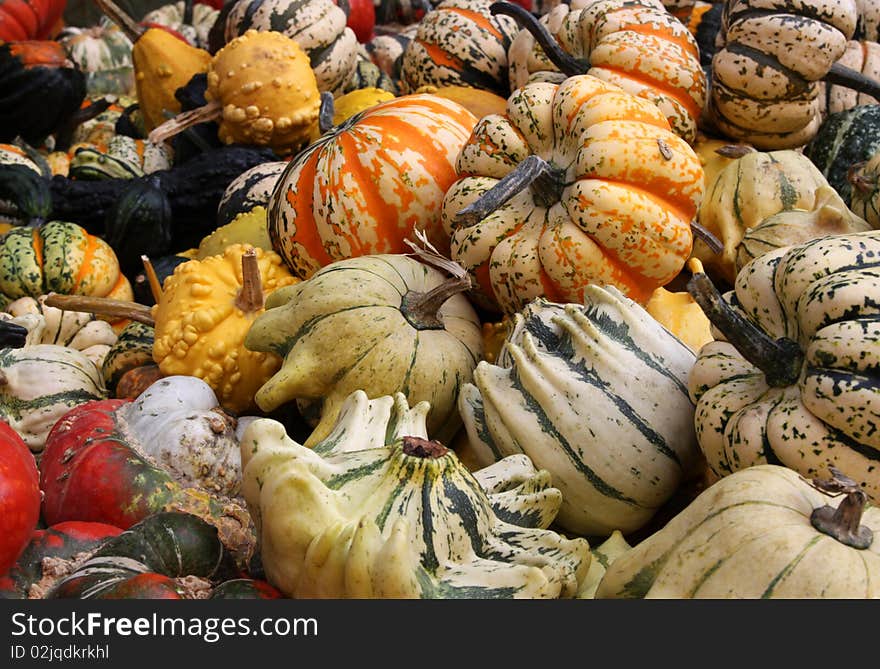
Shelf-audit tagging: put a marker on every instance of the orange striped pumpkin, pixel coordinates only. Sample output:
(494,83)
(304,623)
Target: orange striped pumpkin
(365,185)
(613,207)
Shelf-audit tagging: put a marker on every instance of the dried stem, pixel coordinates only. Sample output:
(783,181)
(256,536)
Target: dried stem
(152,278)
(127,24)
(250,296)
(844,522)
(102,306)
(174,126)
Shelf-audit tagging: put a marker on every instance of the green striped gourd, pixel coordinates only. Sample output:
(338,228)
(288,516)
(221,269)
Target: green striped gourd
(844,139)
(40,383)
(865,181)
(377,510)
(793,377)
(862,57)
(318,26)
(124,158)
(596,394)
(868,27)
(133,348)
(250,189)
(459,43)
(754,535)
(195,30)
(103,53)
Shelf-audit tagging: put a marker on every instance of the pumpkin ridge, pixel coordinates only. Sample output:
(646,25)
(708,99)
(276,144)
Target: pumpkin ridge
(84,267)
(479,19)
(686,45)
(301,200)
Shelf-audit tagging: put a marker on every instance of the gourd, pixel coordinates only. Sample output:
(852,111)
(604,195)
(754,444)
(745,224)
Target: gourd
(682,316)
(19,496)
(761,533)
(408,329)
(792,378)
(862,57)
(756,185)
(262,88)
(459,43)
(40,383)
(133,348)
(139,223)
(25,194)
(123,158)
(378,511)
(636,45)
(172,449)
(103,53)
(577,183)
(204,313)
(318,26)
(477,101)
(844,139)
(366,74)
(22,20)
(250,189)
(246,228)
(366,185)
(193,21)
(595,393)
(864,178)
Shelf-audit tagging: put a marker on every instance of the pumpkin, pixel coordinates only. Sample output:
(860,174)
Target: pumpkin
(844,139)
(376,511)
(679,313)
(247,228)
(40,88)
(864,177)
(206,310)
(754,186)
(459,43)
(406,326)
(60,542)
(577,183)
(250,189)
(367,184)
(596,394)
(19,496)
(40,383)
(760,533)
(318,26)
(863,57)
(792,379)
(166,556)
(765,75)
(25,20)
(193,21)
(172,449)
(103,53)
(704,23)
(636,45)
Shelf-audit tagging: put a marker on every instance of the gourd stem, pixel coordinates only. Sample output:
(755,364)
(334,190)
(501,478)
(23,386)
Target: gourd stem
(325,113)
(152,278)
(422,310)
(12,335)
(839,75)
(250,296)
(735,150)
(567,64)
(209,112)
(127,24)
(858,180)
(103,306)
(531,170)
(844,522)
(422,448)
(715,245)
(780,360)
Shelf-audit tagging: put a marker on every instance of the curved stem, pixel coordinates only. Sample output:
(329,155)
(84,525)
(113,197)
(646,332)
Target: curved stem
(127,24)
(325,113)
(780,360)
(844,522)
(567,64)
(103,306)
(715,245)
(181,122)
(250,297)
(422,310)
(839,75)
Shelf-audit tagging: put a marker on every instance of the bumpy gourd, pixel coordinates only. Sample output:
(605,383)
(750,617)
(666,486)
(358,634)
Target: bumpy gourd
(378,511)
(206,309)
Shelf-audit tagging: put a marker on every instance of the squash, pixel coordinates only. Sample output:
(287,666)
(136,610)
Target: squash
(139,223)
(356,101)
(40,383)
(26,195)
(753,187)
(123,158)
(171,449)
(716,154)
(682,316)
(192,20)
(133,348)
(760,533)
(792,376)
(635,44)
(376,511)
(247,228)
(367,184)
(577,183)
(19,496)
(864,178)
(603,556)
(596,394)
(844,139)
(206,310)
(103,53)
(459,43)
(318,26)
(477,101)
(366,74)
(250,189)
(407,329)
(863,57)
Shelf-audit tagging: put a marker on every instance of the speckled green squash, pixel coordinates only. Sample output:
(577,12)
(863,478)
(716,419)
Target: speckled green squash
(103,53)
(124,158)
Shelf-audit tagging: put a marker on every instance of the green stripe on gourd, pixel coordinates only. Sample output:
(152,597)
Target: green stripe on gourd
(596,394)
(133,348)
(196,30)
(103,53)
(124,158)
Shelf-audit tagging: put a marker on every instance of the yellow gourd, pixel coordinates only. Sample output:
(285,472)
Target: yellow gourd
(201,319)
(477,101)
(682,316)
(249,227)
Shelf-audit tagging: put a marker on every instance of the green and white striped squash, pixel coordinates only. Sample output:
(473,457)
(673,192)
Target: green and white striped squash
(318,26)
(196,31)
(868,27)
(844,139)
(103,53)
(749,536)
(250,189)
(124,158)
(40,383)
(375,511)
(357,324)
(459,43)
(795,380)
(132,348)
(865,181)
(862,57)
(596,394)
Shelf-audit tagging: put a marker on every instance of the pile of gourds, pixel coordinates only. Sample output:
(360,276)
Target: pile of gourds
(502,300)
